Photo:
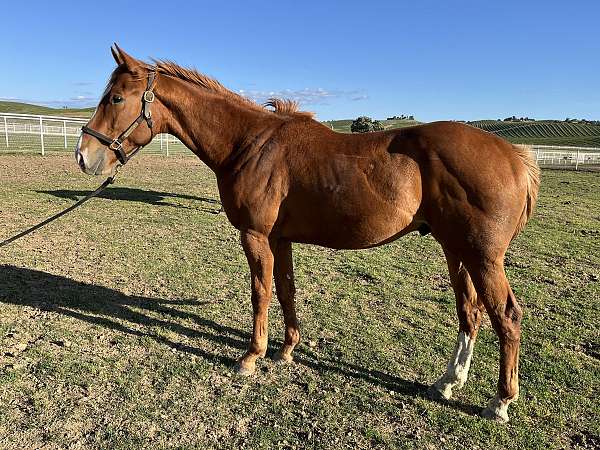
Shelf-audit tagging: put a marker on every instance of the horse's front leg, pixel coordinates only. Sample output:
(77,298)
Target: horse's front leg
(284,284)
(260,259)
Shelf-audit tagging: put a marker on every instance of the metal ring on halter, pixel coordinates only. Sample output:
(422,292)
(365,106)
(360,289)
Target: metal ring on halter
(119,145)
(148,96)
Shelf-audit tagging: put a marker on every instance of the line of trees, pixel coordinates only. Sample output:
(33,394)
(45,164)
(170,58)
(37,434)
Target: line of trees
(517,119)
(586,121)
(402,117)
(567,120)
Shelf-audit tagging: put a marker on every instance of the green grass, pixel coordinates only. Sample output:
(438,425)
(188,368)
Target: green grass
(25,108)
(120,324)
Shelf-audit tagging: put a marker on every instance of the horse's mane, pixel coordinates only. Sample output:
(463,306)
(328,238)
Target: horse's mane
(284,107)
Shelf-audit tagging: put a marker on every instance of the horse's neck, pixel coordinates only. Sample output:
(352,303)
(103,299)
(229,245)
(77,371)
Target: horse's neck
(208,124)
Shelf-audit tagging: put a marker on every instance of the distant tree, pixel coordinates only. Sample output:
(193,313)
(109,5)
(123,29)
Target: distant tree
(364,124)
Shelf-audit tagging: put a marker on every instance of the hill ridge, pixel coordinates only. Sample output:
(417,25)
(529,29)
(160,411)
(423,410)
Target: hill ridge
(27,108)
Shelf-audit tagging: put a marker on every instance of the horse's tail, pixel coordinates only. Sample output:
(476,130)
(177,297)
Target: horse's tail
(533,184)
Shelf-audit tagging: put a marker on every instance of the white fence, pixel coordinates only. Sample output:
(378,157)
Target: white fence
(30,133)
(563,157)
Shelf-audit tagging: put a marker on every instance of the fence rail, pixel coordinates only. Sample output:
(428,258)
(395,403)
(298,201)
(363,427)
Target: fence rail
(28,133)
(563,157)
(31,133)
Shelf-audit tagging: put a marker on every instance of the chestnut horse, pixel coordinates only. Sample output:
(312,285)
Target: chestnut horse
(284,177)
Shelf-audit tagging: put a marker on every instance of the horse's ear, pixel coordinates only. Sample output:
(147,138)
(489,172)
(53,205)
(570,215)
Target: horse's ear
(116,55)
(121,57)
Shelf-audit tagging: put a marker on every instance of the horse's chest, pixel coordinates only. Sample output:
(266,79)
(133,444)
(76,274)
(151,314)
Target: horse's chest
(251,203)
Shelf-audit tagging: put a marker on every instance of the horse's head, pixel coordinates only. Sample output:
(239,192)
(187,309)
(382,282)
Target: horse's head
(122,123)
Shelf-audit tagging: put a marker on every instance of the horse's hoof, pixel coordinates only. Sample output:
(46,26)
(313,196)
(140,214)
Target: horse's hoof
(496,414)
(281,358)
(435,393)
(244,369)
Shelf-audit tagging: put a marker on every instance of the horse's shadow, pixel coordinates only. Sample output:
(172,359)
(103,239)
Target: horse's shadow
(149,197)
(112,309)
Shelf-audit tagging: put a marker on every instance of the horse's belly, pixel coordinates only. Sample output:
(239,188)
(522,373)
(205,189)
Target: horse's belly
(365,228)
(355,202)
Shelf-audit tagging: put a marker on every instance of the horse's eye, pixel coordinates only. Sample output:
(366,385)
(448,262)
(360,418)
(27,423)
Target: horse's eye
(116,99)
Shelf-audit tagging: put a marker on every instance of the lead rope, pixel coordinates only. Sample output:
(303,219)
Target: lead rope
(108,181)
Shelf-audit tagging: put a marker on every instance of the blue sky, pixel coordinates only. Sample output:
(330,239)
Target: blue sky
(432,59)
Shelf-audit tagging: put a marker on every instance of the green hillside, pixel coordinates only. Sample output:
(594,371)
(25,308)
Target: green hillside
(543,132)
(343,126)
(25,108)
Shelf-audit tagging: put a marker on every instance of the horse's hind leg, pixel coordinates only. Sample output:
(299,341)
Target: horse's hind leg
(469,317)
(505,315)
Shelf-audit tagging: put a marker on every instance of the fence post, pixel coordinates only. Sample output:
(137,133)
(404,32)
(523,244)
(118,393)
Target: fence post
(65,131)
(577,160)
(167,145)
(161,143)
(42,134)
(6,131)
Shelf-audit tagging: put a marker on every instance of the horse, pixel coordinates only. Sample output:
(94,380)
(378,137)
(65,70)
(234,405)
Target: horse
(283,177)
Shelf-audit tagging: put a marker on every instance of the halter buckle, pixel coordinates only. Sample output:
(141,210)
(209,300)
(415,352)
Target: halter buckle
(148,96)
(116,145)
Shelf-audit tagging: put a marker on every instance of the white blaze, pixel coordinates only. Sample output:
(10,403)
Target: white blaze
(78,145)
(79,152)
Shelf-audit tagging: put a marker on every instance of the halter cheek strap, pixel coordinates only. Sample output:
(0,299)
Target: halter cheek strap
(116,145)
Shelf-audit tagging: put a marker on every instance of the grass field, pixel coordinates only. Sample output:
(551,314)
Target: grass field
(121,322)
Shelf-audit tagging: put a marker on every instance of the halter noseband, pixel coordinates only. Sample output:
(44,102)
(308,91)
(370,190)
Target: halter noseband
(116,145)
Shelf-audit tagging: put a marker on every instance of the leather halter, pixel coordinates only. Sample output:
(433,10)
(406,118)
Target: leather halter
(116,145)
